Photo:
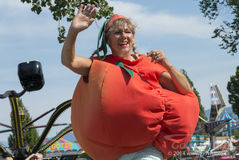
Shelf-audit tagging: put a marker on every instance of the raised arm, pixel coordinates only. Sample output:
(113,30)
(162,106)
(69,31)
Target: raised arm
(82,20)
(173,80)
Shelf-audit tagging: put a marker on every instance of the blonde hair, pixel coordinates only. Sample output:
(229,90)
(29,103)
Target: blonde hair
(118,25)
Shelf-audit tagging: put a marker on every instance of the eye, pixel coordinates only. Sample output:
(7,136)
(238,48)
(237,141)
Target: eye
(117,32)
(128,31)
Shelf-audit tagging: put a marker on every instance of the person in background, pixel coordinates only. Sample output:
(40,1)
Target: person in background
(36,156)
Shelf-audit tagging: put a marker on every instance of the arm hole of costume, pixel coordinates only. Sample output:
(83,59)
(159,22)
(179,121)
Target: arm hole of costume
(86,78)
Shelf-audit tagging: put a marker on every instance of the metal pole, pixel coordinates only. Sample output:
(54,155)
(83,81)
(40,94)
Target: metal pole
(212,140)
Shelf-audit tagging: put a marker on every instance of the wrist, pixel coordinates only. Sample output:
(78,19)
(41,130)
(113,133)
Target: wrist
(168,65)
(72,31)
(71,35)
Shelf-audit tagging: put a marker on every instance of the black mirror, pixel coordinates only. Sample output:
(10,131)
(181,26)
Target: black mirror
(30,75)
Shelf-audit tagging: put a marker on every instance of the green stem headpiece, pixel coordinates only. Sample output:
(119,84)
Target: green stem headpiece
(101,37)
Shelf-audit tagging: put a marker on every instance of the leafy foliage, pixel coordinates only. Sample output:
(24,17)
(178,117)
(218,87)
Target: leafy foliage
(202,112)
(235,132)
(66,9)
(233,89)
(31,135)
(228,32)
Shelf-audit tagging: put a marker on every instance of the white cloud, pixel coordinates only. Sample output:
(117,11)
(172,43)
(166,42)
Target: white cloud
(149,23)
(12,4)
(160,23)
(29,29)
(13,8)
(18,19)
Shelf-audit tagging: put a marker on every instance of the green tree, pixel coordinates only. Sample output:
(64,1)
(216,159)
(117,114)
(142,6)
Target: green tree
(202,112)
(233,89)
(228,31)
(235,132)
(30,135)
(61,9)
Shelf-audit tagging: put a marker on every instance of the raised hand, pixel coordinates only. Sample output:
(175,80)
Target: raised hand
(158,56)
(84,18)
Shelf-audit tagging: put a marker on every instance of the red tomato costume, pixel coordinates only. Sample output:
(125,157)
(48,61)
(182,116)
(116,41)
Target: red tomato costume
(114,114)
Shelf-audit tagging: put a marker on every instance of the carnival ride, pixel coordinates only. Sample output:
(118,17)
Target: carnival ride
(31,78)
(219,121)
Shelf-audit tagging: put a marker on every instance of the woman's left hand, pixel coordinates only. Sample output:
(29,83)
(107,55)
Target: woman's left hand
(173,80)
(158,56)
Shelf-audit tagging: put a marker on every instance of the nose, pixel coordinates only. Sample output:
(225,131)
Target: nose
(123,34)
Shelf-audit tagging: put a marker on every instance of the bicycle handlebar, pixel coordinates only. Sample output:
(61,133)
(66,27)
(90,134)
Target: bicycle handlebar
(12,93)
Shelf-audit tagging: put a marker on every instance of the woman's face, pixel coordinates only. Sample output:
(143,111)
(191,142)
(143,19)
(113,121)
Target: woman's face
(121,41)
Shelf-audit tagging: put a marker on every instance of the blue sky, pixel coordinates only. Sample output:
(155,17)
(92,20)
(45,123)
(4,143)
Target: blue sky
(176,27)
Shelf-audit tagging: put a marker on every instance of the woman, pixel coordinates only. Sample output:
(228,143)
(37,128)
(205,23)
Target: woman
(133,106)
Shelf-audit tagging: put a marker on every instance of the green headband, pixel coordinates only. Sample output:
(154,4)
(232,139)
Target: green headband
(101,37)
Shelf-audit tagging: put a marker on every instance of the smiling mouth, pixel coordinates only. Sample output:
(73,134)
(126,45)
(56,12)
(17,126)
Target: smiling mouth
(124,44)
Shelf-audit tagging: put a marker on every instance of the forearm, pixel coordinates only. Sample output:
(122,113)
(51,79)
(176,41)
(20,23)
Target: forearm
(82,20)
(179,80)
(77,64)
(68,50)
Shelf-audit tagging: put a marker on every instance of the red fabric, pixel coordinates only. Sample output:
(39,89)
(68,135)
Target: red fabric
(112,19)
(114,114)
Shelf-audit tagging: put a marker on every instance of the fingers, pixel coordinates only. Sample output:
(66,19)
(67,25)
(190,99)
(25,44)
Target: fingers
(36,156)
(84,17)
(89,11)
(156,56)
(80,9)
(91,21)
(39,156)
(93,12)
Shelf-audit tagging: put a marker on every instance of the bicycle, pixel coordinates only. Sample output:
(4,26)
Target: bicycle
(31,78)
